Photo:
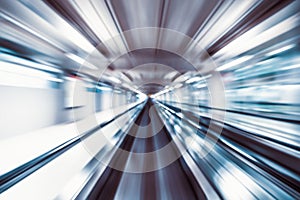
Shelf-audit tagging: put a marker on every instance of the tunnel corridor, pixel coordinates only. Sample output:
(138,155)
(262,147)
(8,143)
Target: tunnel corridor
(149,99)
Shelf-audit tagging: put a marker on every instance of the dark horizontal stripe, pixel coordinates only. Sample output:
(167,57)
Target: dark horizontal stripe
(278,118)
(256,147)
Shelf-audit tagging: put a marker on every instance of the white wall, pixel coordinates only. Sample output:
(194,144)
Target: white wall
(26,109)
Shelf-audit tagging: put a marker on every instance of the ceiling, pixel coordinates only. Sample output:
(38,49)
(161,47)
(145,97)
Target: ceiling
(147,43)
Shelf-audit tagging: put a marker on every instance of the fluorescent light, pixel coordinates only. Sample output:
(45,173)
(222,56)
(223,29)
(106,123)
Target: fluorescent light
(203,85)
(291,67)
(234,63)
(81,61)
(19,76)
(103,88)
(161,92)
(19,69)
(114,79)
(23,62)
(216,28)
(19,80)
(95,20)
(280,50)
(194,79)
(179,85)
(253,38)
(74,36)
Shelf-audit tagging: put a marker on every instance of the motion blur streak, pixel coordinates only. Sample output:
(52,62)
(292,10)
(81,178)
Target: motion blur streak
(149,99)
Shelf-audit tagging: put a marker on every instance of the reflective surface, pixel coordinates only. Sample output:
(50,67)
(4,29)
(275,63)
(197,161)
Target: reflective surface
(160,99)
